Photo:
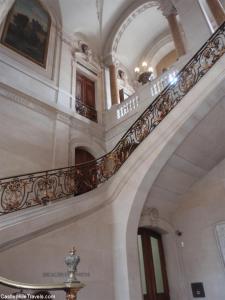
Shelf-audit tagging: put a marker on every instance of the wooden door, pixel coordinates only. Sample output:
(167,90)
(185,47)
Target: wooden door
(85,90)
(152,265)
(90,93)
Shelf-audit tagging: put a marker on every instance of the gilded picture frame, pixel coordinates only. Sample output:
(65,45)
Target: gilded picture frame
(27,30)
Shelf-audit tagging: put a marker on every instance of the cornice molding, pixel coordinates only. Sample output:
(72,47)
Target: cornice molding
(63,118)
(34,104)
(24,100)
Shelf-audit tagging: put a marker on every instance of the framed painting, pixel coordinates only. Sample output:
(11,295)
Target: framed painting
(27,30)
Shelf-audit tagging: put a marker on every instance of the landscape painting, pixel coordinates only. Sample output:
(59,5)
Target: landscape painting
(27,30)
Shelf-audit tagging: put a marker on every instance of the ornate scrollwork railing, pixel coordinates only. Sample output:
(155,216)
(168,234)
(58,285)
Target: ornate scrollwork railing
(86,111)
(36,188)
(39,188)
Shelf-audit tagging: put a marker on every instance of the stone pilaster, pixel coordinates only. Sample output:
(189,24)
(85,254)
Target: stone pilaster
(176,34)
(113,84)
(170,12)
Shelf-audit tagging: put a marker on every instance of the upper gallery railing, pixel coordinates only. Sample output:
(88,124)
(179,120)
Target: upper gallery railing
(24,191)
(86,111)
(151,89)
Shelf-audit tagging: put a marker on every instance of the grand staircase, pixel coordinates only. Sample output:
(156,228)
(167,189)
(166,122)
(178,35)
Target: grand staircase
(28,190)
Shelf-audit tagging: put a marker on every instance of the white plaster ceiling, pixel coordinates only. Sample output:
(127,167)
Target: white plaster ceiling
(80,17)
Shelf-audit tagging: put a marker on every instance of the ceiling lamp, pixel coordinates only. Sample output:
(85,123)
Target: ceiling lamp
(137,70)
(144,73)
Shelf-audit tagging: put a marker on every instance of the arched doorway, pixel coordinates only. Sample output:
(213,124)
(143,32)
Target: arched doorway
(82,156)
(153,272)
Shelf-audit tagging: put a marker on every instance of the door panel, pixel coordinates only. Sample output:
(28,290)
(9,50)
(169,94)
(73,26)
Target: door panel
(157,265)
(90,93)
(85,90)
(142,266)
(153,273)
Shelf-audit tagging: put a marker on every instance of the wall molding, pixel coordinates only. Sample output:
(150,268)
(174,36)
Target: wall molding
(34,104)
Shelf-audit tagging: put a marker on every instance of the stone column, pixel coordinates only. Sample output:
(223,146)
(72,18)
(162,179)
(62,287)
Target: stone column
(170,12)
(113,84)
(176,34)
(5,6)
(217,11)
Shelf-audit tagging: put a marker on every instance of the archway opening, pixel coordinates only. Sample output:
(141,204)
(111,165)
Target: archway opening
(82,156)
(152,265)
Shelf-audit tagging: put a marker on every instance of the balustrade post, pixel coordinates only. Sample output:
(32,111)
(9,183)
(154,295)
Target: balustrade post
(72,260)
(71,285)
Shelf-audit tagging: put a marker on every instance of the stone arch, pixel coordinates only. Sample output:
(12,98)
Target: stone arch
(83,155)
(162,46)
(163,142)
(123,21)
(94,149)
(173,261)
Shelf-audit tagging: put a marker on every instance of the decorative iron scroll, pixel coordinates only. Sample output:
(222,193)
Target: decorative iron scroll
(86,111)
(40,188)
(36,189)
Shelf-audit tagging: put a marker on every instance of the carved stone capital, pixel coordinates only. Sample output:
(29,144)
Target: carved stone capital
(110,59)
(152,214)
(167,8)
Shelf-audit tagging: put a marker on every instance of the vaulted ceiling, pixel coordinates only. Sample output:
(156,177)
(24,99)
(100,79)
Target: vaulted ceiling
(81,16)
(95,21)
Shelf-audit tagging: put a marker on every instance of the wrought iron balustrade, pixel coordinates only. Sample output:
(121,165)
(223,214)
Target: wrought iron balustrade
(86,111)
(40,188)
(33,189)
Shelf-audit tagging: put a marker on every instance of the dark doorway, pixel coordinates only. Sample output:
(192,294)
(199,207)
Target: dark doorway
(82,156)
(85,182)
(152,265)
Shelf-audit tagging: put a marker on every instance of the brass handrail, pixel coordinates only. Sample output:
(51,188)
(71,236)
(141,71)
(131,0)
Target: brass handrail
(49,287)
(23,191)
